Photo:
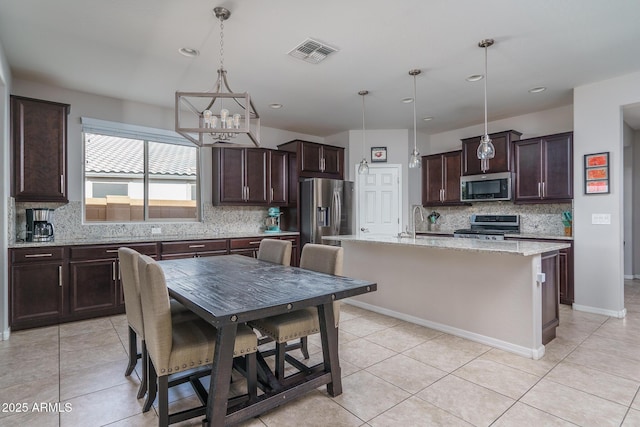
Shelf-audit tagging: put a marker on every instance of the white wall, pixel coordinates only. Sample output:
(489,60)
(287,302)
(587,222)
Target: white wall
(599,254)
(118,110)
(5,90)
(636,205)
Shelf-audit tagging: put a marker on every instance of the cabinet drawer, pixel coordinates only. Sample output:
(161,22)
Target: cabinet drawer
(292,239)
(193,246)
(109,251)
(253,242)
(37,254)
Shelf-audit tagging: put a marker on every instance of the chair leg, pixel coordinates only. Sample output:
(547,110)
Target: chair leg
(133,352)
(143,381)
(303,347)
(280,356)
(163,401)
(152,386)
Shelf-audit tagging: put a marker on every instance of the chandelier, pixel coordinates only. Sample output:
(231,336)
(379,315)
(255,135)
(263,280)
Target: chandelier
(486,149)
(363,168)
(415,161)
(220,116)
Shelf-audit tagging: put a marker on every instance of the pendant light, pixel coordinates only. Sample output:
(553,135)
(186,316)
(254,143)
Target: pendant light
(363,169)
(415,161)
(486,150)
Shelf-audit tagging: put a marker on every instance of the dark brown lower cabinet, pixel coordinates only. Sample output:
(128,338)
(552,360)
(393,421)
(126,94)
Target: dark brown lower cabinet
(36,287)
(193,249)
(550,302)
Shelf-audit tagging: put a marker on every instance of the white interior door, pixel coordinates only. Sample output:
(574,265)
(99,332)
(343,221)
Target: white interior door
(379,207)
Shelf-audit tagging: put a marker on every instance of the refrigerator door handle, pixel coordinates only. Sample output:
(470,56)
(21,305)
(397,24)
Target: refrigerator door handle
(337,212)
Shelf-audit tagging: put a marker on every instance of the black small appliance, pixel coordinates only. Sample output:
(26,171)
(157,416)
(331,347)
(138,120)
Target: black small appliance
(39,226)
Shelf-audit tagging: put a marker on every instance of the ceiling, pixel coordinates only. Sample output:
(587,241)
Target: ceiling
(129,49)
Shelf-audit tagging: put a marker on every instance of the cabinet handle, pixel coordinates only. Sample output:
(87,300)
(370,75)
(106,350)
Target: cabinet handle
(113,271)
(60,275)
(38,255)
(247,198)
(271,193)
(196,246)
(539,194)
(254,243)
(62,183)
(544,190)
(111,251)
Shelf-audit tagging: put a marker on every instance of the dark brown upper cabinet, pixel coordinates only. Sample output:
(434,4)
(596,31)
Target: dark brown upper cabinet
(240,176)
(471,165)
(441,179)
(316,160)
(544,169)
(39,150)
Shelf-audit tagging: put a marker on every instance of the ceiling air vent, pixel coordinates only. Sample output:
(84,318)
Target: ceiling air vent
(312,51)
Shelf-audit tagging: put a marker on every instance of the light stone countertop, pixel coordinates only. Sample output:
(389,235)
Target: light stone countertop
(507,235)
(149,238)
(515,247)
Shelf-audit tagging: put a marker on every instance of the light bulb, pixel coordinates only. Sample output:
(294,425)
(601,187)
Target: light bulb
(224,113)
(363,169)
(236,121)
(214,122)
(229,122)
(206,114)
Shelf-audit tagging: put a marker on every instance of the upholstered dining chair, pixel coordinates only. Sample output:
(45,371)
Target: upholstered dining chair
(178,347)
(276,251)
(128,259)
(301,323)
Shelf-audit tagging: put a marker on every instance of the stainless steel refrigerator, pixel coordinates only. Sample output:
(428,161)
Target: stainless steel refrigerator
(326,209)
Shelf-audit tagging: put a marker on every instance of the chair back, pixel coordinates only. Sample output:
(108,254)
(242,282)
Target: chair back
(131,286)
(324,259)
(276,251)
(156,312)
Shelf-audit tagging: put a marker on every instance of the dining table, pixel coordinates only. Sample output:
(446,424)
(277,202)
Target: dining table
(229,290)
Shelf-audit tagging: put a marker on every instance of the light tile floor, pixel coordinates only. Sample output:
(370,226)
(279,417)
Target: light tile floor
(394,374)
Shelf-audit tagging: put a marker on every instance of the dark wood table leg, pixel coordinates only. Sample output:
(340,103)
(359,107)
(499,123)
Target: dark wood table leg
(329,335)
(220,375)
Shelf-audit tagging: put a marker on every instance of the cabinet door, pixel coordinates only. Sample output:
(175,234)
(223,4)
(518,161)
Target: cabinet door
(566,276)
(332,161)
(256,168)
(558,167)
(93,287)
(432,170)
(500,163)
(310,157)
(228,175)
(39,133)
(452,163)
(279,178)
(550,308)
(293,179)
(36,294)
(528,165)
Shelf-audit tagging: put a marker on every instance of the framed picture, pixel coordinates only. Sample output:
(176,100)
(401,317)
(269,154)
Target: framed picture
(378,154)
(596,173)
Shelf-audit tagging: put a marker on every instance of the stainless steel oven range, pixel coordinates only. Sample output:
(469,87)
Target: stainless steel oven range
(490,227)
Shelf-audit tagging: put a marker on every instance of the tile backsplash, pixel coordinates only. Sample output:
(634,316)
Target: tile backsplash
(534,219)
(68,225)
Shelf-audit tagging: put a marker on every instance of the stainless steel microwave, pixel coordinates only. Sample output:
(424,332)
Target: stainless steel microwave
(486,187)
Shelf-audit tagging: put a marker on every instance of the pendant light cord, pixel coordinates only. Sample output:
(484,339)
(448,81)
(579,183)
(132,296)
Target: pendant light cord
(363,137)
(415,137)
(486,131)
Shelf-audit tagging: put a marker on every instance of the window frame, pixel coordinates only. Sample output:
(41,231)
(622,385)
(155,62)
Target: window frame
(146,135)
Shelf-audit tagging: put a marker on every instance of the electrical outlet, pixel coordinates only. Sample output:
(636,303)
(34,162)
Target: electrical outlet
(604,219)
(156,230)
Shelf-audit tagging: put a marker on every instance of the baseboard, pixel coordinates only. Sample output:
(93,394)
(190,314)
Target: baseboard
(630,276)
(533,353)
(636,276)
(596,310)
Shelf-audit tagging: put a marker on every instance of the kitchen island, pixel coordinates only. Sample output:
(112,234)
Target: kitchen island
(493,292)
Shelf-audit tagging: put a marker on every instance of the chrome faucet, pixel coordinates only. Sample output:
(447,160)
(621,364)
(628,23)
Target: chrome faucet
(413,218)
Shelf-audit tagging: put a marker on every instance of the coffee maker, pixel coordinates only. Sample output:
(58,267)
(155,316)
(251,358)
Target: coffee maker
(39,226)
(272,223)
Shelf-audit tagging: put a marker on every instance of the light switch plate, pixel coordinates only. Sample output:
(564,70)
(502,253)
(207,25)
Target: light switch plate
(601,219)
(156,230)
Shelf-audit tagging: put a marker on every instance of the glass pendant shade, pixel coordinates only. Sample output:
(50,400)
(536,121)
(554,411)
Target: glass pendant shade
(415,161)
(486,150)
(363,168)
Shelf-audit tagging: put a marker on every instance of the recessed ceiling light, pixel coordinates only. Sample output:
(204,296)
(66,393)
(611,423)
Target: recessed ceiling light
(275,106)
(537,89)
(407,100)
(474,78)
(427,119)
(189,52)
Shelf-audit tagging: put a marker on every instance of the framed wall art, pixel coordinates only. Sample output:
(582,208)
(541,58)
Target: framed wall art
(378,154)
(596,173)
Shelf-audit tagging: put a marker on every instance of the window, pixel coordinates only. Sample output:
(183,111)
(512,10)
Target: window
(134,174)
